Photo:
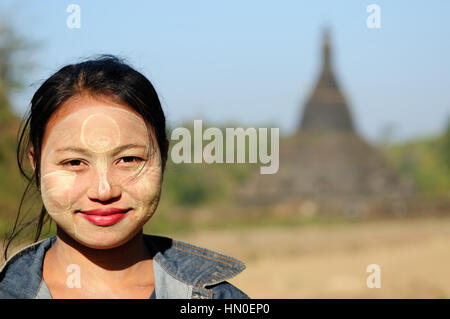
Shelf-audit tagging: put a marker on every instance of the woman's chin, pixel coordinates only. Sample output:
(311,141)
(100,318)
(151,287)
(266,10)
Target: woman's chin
(103,240)
(98,237)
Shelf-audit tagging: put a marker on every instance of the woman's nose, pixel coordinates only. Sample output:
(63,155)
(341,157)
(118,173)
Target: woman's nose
(103,188)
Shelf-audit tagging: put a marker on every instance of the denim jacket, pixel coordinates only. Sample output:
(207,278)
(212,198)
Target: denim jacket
(181,271)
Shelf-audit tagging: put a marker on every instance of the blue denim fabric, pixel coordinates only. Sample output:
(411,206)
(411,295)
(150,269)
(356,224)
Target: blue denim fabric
(181,271)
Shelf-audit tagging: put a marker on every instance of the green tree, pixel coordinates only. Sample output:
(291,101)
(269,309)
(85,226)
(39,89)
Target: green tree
(15,61)
(445,148)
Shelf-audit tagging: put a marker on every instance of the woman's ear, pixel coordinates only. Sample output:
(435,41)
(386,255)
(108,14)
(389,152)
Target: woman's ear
(31,157)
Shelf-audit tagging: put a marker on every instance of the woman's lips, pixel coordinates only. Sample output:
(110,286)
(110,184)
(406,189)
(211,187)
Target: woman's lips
(104,217)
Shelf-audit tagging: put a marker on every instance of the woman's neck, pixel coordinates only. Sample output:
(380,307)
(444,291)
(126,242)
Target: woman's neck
(116,269)
(118,258)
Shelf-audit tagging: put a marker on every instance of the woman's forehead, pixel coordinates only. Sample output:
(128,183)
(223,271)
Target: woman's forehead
(100,116)
(89,120)
(84,105)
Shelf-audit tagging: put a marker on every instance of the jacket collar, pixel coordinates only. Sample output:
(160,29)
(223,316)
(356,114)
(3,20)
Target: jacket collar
(184,271)
(180,269)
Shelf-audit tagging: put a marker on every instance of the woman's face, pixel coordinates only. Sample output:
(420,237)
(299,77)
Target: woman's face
(97,155)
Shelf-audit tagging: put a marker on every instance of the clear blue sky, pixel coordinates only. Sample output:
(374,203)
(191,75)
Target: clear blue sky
(255,61)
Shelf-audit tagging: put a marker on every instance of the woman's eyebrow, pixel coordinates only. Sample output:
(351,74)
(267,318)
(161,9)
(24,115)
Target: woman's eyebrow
(84,151)
(125,147)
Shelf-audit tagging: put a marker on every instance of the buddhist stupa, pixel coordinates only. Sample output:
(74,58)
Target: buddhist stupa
(326,166)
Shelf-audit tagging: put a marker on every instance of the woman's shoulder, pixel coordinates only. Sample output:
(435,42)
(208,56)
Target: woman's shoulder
(22,273)
(199,267)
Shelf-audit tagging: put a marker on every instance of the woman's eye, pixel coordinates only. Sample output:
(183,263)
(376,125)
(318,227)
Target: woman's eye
(131,159)
(72,163)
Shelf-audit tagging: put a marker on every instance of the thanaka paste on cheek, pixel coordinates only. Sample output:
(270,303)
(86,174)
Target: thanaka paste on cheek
(148,187)
(64,191)
(56,190)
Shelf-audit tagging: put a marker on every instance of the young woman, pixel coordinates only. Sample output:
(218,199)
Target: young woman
(96,139)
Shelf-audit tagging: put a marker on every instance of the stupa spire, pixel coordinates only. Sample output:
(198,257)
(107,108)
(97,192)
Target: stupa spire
(326,49)
(326,108)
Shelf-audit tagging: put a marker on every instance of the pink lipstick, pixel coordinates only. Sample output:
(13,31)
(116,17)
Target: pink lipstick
(104,217)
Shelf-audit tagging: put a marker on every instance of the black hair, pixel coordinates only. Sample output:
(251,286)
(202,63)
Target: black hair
(102,76)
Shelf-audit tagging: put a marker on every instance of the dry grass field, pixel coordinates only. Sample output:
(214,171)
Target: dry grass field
(330,261)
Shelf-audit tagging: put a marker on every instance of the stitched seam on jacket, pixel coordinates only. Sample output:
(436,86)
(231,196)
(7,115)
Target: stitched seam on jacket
(205,256)
(210,252)
(225,273)
(208,291)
